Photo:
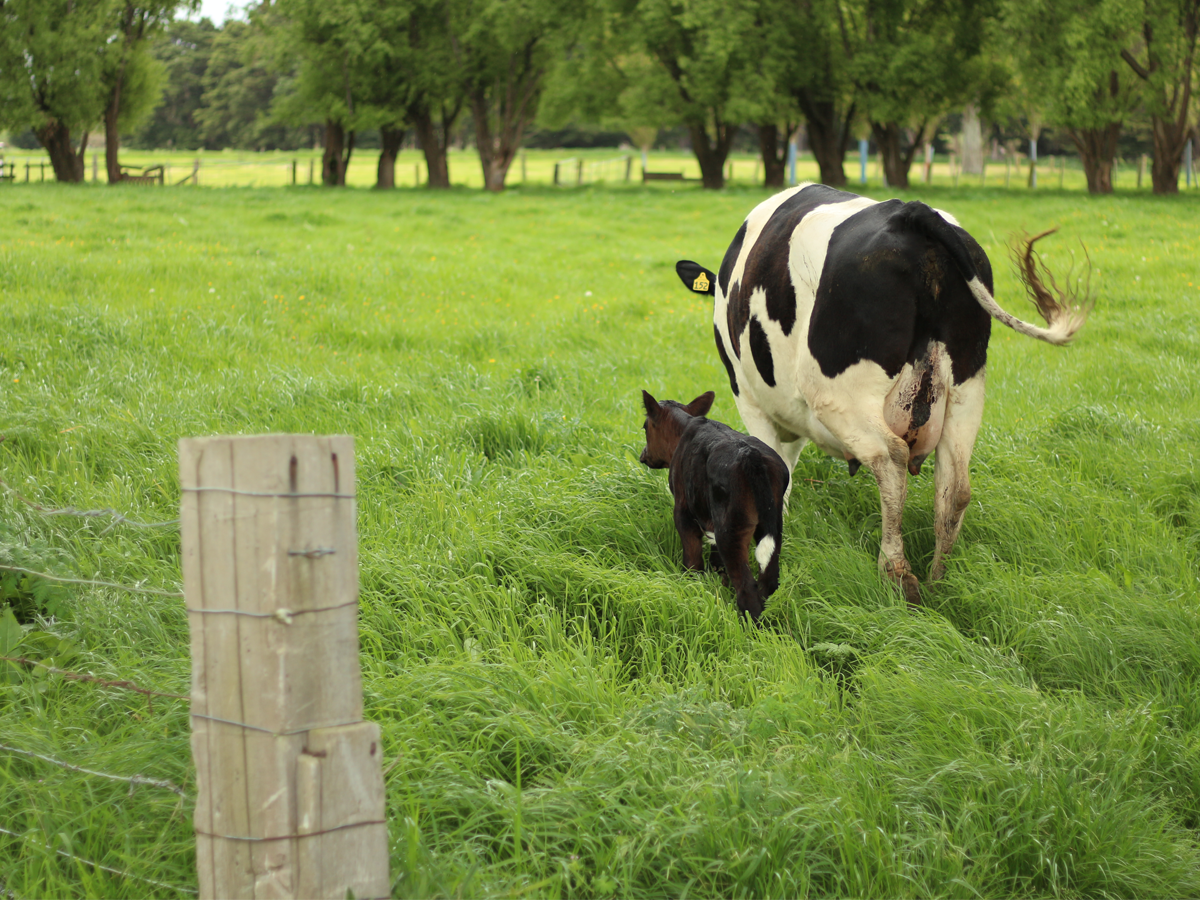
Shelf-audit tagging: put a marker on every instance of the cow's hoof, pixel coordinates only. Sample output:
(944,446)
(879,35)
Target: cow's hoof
(902,577)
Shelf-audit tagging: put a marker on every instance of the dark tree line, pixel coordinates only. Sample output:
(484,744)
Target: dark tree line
(427,70)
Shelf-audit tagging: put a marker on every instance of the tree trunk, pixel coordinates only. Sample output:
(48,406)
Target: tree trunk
(68,165)
(339,145)
(1097,147)
(390,140)
(112,133)
(514,107)
(1170,135)
(828,136)
(896,159)
(712,154)
(972,141)
(433,145)
(1169,123)
(774,156)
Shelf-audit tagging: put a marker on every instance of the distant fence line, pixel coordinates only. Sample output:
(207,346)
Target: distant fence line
(1061,171)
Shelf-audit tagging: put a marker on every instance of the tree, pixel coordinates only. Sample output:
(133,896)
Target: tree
(504,50)
(1068,66)
(131,74)
(1163,55)
(240,86)
(438,90)
(50,75)
(183,50)
(352,73)
(910,61)
(700,53)
(816,81)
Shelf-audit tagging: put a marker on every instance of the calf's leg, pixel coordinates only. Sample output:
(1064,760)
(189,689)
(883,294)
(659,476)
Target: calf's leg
(691,535)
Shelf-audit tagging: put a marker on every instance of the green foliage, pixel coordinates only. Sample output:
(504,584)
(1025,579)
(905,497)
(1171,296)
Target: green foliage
(50,67)
(239,86)
(184,49)
(912,60)
(565,712)
(1068,56)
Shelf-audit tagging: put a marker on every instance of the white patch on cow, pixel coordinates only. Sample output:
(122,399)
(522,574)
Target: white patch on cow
(711,538)
(764,551)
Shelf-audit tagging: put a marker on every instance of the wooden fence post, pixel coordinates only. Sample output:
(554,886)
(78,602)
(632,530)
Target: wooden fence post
(289,783)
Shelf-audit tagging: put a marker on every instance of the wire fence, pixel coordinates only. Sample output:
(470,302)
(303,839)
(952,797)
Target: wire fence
(25,665)
(550,168)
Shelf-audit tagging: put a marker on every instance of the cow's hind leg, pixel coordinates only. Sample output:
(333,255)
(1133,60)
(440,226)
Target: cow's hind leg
(869,439)
(952,478)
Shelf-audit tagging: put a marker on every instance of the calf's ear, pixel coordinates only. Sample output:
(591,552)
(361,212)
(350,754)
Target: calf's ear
(701,405)
(650,403)
(696,278)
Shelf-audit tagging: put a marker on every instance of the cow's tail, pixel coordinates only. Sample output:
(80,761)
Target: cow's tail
(770,515)
(1064,313)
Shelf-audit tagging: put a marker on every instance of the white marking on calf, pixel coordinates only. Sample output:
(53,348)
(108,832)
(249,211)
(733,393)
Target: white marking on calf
(764,551)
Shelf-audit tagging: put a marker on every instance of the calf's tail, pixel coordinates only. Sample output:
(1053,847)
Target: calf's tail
(770,515)
(1064,314)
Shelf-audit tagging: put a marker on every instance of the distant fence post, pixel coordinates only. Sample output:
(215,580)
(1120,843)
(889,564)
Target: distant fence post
(1032,163)
(579,172)
(289,783)
(293,173)
(1141,169)
(628,167)
(862,161)
(95,167)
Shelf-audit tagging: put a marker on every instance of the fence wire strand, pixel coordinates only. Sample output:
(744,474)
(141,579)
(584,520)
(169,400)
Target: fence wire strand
(118,518)
(148,693)
(129,779)
(96,865)
(121,587)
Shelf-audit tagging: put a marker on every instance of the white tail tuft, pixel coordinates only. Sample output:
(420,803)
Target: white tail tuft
(764,551)
(1064,314)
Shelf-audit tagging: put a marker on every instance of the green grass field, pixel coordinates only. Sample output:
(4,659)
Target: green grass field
(564,712)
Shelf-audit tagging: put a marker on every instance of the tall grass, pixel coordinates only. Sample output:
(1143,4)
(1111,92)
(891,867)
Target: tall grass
(565,712)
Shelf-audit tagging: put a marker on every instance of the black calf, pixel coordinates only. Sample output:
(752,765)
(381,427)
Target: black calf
(727,486)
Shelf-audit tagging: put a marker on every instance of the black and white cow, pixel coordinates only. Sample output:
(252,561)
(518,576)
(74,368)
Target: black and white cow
(863,326)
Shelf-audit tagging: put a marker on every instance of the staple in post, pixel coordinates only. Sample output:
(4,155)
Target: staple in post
(289,786)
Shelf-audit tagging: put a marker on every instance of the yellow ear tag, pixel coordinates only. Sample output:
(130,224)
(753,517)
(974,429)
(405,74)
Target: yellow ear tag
(700,285)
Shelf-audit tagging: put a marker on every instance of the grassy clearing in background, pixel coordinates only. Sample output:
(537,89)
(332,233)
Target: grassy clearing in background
(565,713)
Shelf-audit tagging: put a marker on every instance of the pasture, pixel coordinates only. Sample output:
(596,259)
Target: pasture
(564,712)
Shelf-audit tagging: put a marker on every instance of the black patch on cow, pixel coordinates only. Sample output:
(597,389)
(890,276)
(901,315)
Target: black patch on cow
(892,282)
(760,349)
(733,385)
(695,277)
(767,262)
(730,260)
(737,314)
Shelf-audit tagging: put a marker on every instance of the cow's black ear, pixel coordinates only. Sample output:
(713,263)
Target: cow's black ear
(701,405)
(696,277)
(650,403)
